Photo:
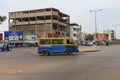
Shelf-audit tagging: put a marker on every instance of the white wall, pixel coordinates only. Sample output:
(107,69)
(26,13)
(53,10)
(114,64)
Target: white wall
(74,31)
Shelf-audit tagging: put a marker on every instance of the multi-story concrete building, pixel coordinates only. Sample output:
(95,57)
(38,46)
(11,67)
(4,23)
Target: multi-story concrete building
(74,31)
(111,34)
(40,21)
(100,37)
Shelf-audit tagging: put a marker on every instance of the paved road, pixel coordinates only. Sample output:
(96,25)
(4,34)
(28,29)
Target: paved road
(25,64)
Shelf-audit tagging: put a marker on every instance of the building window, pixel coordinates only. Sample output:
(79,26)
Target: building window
(58,33)
(48,17)
(70,41)
(32,18)
(45,42)
(74,35)
(62,33)
(57,41)
(74,29)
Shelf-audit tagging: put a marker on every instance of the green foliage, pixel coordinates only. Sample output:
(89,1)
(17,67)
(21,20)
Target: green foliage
(2,19)
(89,37)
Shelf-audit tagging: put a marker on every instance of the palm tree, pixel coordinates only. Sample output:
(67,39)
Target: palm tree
(2,19)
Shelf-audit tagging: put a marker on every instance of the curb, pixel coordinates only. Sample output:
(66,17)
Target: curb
(89,49)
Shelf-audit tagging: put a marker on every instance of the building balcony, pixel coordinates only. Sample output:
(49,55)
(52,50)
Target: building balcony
(55,13)
(63,24)
(19,23)
(25,22)
(23,15)
(56,21)
(48,21)
(60,23)
(40,21)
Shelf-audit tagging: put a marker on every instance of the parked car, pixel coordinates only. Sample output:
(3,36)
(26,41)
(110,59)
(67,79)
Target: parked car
(5,46)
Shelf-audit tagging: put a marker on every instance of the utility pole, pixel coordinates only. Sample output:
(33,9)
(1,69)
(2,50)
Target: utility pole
(95,11)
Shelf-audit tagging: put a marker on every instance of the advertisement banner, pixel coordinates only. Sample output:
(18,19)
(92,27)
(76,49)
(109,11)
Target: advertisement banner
(10,35)
(1,36)
(31,38)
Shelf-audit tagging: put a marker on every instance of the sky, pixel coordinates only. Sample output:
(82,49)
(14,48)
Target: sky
(79,11)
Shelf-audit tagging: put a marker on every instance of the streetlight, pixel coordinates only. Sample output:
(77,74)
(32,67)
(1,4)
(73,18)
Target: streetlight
(115,32)
(95,11)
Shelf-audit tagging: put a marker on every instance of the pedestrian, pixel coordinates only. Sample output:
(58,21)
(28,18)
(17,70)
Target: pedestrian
(7,46)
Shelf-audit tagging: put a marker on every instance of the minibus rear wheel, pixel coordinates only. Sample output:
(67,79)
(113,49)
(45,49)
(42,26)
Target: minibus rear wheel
(45,53)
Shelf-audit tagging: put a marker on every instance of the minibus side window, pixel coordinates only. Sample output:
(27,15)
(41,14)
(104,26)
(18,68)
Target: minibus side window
(57,41)
(69,41)
(45,42)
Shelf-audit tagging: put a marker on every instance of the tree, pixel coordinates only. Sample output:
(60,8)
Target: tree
(2,19)
(89,37)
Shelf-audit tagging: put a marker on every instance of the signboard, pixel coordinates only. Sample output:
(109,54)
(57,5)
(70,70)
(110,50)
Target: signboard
(31,38)
(10,35)
(53,35)
(1,36)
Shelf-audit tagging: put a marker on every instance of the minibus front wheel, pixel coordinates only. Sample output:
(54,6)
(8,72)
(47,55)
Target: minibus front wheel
(45,53)
(68,52)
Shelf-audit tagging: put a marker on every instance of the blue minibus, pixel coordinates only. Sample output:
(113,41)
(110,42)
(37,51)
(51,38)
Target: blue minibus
(48,46)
